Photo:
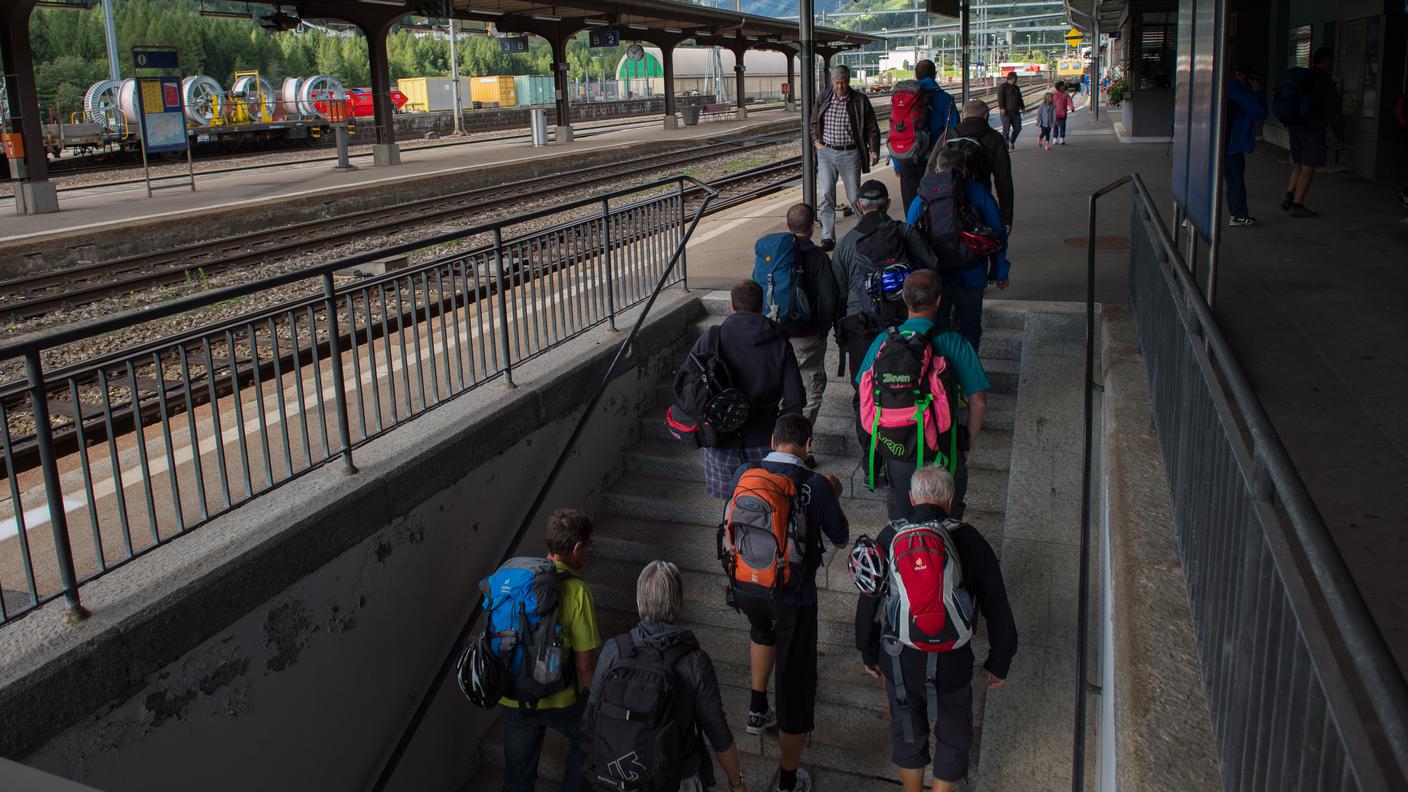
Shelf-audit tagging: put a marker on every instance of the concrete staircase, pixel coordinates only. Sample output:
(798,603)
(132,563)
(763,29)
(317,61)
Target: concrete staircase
(659,510)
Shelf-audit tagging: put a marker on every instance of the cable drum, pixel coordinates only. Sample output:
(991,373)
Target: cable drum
(100,104)
(318,89)
(127,101)
(202,95)
(288,97)
(246,87)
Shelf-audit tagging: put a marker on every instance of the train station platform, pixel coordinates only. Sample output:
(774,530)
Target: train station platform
(233,202)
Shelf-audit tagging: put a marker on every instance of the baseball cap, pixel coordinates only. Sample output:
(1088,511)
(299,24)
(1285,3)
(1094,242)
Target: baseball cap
(873,190)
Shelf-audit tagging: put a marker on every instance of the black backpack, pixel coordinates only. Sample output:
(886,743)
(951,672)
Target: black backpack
(945,216)
(631,734)
(707,410)
(877,279)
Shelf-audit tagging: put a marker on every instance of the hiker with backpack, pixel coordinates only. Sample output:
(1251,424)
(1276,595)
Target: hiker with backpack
(994,167)
(909,396)
(655,699)
(764,382)
(1246,104)
(847,140)
(538,653)
(801,294)
(872,262)
(924,581)
(961,220)
(1010,105)
(777,526)
(1308,103)
(921,115)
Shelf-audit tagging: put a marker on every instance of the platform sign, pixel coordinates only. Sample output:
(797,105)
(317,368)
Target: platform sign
(155,59)
(1074,37)
(600,38)
(508,45)
(163,116)
(948,8)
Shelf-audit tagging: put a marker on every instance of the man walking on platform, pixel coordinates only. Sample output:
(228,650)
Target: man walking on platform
(1010,105)
(996,169)
(847,143)
(942,120)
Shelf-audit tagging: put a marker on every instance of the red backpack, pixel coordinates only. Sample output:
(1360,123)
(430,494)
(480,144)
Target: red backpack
(909,121)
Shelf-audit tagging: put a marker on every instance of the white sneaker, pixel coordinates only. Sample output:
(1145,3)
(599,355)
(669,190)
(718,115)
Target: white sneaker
(759,722)
(804,782)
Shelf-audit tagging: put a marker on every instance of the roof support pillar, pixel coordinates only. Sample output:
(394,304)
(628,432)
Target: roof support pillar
(667,65)
(558,41)
(963,45)
(34,194)
(807,45)
(791,82)
(739,50)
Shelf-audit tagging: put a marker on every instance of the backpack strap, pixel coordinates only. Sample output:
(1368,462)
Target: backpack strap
(901,697)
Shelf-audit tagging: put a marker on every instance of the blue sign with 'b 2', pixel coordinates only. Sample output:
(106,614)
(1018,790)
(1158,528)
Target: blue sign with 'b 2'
(604,37)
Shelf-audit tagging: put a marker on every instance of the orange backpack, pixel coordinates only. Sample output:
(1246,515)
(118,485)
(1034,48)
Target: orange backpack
(763,537)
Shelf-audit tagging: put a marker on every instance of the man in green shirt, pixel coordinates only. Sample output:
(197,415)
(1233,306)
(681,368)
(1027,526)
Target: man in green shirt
(921,298)
(569,538)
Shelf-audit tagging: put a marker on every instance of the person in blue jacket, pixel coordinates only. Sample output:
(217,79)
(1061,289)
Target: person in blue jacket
(943,116)
(963,289)
(1246,104)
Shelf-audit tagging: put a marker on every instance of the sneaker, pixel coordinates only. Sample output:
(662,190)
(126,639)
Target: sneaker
(759,722)
(1242,221)
(804,782)
(1402,196)
(1299,210)
(847,211)
(828,245)
(1288,202)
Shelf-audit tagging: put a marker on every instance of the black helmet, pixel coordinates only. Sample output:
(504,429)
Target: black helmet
(481,674)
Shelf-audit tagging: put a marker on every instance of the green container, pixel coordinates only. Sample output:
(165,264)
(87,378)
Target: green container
(533,89)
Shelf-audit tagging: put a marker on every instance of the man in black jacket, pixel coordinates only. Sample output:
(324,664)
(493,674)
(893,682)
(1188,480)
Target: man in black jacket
(762,365)
(825,295)
(847,140)
(997,170)
(1309,146)
(950,687)
(1010,105)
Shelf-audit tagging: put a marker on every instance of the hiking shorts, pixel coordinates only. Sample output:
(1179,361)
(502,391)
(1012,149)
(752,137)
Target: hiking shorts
(794,632)
(953,726)
(1308,147)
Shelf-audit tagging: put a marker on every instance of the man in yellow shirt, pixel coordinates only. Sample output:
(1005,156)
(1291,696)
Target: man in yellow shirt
(569,538)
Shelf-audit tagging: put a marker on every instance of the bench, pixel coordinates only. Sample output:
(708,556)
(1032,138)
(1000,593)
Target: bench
(716,110)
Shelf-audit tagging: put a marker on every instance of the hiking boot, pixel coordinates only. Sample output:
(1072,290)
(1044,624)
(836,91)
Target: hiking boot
(804,782)
(759,722)
(1299,210)
(1288,202)
(1242,221)
(828,245)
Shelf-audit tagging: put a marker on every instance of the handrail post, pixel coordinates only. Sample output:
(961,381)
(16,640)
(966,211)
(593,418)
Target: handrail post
(53,489)
(606,255)
(339,378)
(684,259)
(502,289)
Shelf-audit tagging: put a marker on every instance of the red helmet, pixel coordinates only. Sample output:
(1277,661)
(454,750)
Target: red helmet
(983,242)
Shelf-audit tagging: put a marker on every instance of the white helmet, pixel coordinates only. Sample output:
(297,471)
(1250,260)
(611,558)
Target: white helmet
(869,569)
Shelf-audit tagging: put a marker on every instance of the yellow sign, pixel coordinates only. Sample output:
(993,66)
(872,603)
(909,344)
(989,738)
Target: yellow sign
(1074,37)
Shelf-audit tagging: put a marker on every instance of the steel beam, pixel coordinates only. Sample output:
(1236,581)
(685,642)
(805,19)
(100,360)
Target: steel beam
(807,34)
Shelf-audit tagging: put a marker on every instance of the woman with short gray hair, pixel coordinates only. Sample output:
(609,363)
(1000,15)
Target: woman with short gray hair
(659,599)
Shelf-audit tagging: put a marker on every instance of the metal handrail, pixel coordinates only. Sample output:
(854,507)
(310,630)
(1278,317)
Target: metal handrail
(388,769)
(1367,661)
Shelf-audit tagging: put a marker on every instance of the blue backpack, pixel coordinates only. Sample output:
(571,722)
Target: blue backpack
(778,269)
(1292,103)
(524,633)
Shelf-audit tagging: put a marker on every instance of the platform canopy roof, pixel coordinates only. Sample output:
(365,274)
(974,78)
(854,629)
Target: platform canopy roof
(703,24)
(1082,14)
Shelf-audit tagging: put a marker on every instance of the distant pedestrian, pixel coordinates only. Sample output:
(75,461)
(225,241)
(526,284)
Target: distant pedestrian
(1246,104)
(921,296)
(772,581)
(1045,120)
(877,243)
(847,140)
(1064,107)
(941,117)
(928,678)
(955,243)
(1313,101)
(569,538)
(995,167)
(764,367)
(801,293)
(631,675)
(1011,105)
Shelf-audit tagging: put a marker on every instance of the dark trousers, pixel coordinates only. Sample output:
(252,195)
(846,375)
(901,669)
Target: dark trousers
(963,305)
(952,718)
(1234,169)
(523,745)
(1011,120)
(911,173)
(1061,127)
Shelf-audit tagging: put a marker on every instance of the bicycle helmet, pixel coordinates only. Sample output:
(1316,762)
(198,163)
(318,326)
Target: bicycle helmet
(982,242)
(727,411)
(869,569)
(887,282)
(481,674)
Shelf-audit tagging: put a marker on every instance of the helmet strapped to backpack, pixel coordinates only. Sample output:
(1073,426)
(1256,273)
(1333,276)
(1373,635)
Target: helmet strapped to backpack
(869,569)
(906,404)
(777,267)
(707,411)
(632,737)
(762,541)
(881,263)
(909,120)
(481,674)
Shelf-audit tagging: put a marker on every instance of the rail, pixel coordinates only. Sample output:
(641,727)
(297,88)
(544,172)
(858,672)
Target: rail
(289,388)
(1303,690)
(388,768)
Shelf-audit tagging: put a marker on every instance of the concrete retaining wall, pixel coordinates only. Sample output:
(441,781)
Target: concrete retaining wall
(284,645)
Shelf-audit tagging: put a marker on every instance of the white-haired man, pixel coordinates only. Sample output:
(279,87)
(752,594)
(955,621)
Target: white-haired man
(937,687)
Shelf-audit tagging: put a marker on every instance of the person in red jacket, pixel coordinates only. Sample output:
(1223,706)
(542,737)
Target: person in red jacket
(1064,107)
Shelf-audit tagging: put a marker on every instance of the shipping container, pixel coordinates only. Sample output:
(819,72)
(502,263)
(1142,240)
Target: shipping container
(534,89)
(432,94)
(493,91)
